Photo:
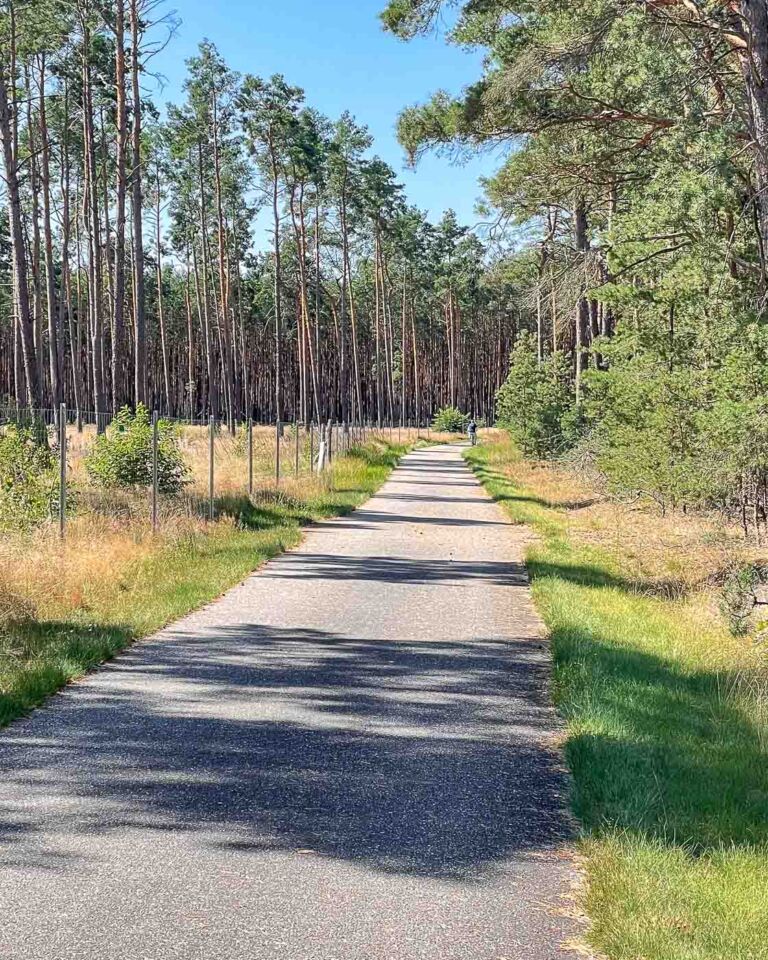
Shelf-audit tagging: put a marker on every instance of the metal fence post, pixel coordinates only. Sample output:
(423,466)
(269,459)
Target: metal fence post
(311,445)
(322,448)
(62,469)
(211,478)
(250,457)
(296,463)
(277,452)
(154,470)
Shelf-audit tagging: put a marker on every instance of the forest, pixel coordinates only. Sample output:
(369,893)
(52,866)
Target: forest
(622,256)
(636,137)
(128,269)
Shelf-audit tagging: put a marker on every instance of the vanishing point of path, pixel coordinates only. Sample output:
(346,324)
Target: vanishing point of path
(348,757)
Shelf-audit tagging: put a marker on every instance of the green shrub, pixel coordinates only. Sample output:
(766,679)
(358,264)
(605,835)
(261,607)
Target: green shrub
(450,420)
(28,478)
(536,403)
(646,430)
(738,596)
(122,457)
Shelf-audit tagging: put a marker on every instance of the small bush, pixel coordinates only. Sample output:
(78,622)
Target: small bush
(739,597)
(450,420)
(122,457)
(28,478)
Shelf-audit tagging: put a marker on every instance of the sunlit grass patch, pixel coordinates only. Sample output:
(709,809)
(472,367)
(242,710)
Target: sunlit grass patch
(657,901)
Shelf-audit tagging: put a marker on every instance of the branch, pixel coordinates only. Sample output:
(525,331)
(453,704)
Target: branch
(698,18)
(637,263)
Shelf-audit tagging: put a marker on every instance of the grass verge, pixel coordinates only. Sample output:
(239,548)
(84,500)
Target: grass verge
(66,608)
(667,741)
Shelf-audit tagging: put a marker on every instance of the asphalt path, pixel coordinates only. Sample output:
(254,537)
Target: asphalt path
(350,756)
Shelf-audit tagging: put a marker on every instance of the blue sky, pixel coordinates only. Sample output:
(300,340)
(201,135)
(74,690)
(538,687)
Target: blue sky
(337,51)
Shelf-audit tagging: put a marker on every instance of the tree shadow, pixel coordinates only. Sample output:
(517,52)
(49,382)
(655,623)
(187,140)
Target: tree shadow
(593,575)
(379,517)
(486,475)
(430,498)
(271,509)
(423,759)
(316,566)
(689,768)
(661,751)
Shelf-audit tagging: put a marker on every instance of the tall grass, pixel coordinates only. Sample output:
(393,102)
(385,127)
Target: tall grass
(666,722)
(66,607)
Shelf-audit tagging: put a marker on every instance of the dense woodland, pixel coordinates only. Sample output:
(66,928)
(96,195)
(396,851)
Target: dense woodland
(128,267)
(629,286)
(638,170)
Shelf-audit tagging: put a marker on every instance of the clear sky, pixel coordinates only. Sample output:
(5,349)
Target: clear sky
(338,52)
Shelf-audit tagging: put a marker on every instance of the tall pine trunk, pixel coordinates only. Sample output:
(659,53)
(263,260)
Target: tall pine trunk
(54,356)
(8,136)
(139,314)
(119,386)
(91,203)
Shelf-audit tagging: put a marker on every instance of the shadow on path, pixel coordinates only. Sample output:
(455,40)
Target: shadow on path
(423,759)
(307,566)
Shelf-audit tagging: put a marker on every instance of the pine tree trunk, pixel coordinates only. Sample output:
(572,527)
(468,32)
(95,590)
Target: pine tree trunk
(227,353)
(350,299)
(34,259)
(119,391)
(277,285)
(24,316)
(139,315)
(94,259)
(582,307)
(203,293)
(65,294)
(160,311)
(754,66)
(50,278)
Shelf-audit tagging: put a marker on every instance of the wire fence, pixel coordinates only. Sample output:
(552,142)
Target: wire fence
(220,463)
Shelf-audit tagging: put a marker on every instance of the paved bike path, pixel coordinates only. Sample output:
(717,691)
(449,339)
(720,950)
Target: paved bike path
(347,757)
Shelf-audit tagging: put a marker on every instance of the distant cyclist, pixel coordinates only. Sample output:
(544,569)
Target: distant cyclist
(472,431)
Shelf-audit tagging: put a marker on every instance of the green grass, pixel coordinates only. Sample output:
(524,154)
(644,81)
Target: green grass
(40,655)
(667,744)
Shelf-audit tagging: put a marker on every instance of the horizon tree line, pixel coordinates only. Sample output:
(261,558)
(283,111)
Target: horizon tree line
(128,270)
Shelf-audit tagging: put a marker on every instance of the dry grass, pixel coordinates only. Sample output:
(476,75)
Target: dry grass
(54,579)
(679,554)
(13,606)
(231,454)
(109,532)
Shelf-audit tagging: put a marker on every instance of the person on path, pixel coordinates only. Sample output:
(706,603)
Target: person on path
(472,431)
